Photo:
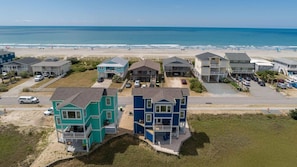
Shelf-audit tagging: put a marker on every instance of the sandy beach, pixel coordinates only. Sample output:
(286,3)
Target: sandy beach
(149,53)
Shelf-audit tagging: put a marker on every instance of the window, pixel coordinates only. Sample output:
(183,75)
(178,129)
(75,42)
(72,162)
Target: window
(71,114)
(183,101)
(149,103)
(57,104)
(159,121)
(148,118)
(182,114)
(163,108)
(108,115)
(58,120)
(108,101)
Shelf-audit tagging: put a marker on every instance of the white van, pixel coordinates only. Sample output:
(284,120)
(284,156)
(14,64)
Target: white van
(28,100)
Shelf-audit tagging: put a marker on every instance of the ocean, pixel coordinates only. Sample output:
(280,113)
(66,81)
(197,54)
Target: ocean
(147,37)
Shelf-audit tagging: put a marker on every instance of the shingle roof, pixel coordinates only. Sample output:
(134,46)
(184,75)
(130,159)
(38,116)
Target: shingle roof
(207,55)
(146,63)
(4,52)
(28,60)
(176,61)
(157,94)
(237,56)
(52,63)
(114,62)
(286,61)
(79,96)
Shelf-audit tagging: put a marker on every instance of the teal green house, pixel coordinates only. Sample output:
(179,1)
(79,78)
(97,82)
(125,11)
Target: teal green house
(83,116)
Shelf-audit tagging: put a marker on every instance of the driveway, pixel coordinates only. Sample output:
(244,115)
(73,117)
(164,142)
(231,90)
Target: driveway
(265,92)
(105,84)
(15,91)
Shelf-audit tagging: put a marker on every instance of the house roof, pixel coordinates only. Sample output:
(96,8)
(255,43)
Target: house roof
(52,63)
(146,63)
(237,56)
(207,55)
(261,62)
(79,96)
(176,61)
(4,52)
(158,94)
(25,60)
(114,62)
(286,61)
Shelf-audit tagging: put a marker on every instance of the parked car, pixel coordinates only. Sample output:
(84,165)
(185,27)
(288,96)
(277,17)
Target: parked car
(246,83)
(128,85)
(184,82)
(248,78)
(137,84)
(38,78)
(28,100)
(100,79)
(261,83)
(281,85)
(294,84)
(49,111)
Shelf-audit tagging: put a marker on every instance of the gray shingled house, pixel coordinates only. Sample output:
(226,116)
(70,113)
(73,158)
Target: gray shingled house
(239,64)
(145,70)
(175,66)
(53,67)
(20,65)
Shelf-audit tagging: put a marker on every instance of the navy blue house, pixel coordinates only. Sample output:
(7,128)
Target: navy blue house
(160,113)
(6,56)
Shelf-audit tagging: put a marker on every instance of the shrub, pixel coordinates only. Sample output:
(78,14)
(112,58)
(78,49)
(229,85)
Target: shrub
(26,89)
(293,114)
(24,74)
(196,85)
(3,88)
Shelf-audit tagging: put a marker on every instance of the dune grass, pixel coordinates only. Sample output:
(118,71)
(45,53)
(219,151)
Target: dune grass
(221,140)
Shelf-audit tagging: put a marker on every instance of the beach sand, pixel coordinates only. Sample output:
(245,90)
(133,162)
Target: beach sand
(150,53)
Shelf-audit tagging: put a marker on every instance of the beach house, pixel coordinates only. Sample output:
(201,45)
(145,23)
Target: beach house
(52,67)
(114,66)
(160,113)
(144,70)
(285,66)
(20,65)
(5,56)
(210,67)
(83,116)
(262,64)
(175,66)
(239,64)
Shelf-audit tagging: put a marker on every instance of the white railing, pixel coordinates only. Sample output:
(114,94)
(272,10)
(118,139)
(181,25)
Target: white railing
(162,128)
(77,135)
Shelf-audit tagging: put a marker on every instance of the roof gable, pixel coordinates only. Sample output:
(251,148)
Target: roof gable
(146,63)
(116,61)
(80,97)
(208,55)
(175,60)
(159,94)
(237,56)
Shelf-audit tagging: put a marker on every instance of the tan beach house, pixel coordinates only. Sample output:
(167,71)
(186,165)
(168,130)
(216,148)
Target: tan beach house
(210,67)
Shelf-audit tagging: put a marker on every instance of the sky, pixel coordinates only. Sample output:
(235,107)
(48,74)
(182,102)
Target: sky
(173,13)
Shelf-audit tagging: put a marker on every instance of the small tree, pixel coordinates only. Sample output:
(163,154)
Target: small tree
(293,114)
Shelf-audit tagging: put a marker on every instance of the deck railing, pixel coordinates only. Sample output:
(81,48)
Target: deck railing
(76,135)
(162,128)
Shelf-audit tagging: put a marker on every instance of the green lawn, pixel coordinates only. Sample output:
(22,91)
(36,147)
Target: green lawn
(222,140)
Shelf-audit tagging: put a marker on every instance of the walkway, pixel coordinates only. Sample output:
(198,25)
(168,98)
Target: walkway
(15,91)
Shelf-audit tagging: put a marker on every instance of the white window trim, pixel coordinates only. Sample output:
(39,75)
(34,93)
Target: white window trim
(183,101)
(58,122)
(76,111)
(182,115)
(147,103)
(107,100)
(107,113)
(166,109)
(148,118)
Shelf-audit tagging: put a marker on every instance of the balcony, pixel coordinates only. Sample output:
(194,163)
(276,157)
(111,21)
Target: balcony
(76,132)
(162,128)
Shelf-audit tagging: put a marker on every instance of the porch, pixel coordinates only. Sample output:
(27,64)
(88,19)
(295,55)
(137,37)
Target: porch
(76,132)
